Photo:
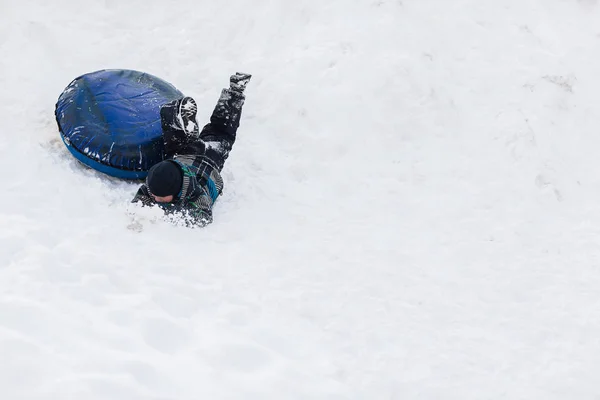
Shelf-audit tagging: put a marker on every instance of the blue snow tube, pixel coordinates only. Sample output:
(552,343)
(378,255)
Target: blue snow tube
(110,120)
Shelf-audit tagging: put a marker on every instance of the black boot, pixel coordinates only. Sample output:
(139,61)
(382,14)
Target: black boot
(186,116)
(238,82)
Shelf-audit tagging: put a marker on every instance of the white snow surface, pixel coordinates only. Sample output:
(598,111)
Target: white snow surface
(410,210)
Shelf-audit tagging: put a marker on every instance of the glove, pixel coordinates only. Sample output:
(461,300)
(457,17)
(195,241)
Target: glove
(238,82)
(144,196)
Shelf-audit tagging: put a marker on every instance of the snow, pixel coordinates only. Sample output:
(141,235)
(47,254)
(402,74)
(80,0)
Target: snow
(410,210)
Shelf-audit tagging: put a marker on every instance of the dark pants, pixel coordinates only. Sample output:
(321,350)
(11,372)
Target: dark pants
(216,138)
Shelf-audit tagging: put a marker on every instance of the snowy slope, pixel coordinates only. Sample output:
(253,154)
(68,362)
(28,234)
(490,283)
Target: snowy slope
(410,212)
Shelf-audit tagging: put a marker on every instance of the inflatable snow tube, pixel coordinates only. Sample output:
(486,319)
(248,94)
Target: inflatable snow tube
(110,120)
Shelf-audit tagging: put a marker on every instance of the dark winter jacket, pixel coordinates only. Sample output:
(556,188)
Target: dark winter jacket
(202,184)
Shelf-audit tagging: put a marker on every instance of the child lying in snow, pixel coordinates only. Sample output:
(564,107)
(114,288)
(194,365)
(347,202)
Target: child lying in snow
(188,182)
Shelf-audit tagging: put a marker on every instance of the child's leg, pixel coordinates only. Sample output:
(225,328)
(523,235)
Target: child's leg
(180,130)
(219,135)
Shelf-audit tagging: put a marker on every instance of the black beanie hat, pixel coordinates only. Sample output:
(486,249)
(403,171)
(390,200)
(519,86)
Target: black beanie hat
(165,179)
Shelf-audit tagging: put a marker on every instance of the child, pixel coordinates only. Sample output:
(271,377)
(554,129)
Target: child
(188,181)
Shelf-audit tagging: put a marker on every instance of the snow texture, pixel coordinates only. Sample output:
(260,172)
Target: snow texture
(410,211)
